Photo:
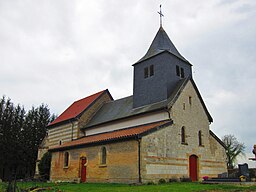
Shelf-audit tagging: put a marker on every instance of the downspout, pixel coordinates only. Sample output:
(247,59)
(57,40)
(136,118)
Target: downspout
(139,162)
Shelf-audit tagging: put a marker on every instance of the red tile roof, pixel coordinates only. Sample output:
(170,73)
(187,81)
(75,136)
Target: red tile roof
(76,108)
(114,135)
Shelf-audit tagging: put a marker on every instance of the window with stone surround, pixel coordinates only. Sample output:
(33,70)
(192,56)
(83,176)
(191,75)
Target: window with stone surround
(200,138)
(183,136)
(190,100)
(66,159)
(184,106)
(103,158)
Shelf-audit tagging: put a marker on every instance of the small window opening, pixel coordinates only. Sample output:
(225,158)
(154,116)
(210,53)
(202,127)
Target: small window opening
(200,138)
(103,155)
(60,142)
(183,135)
(182,72)
(145,72)
(190,100)
(184,106)
(177,70)
(151,70)
(66,159)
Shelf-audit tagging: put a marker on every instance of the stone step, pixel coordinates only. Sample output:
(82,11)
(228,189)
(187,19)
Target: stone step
(223,180)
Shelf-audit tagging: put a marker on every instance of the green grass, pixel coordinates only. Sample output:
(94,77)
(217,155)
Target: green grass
(105,187)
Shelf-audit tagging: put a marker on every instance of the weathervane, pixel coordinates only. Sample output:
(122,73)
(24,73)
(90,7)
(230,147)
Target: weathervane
(161,15)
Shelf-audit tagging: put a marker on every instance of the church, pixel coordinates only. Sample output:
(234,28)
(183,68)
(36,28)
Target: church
(160,132)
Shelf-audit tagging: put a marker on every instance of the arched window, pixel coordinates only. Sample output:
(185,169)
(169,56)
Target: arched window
(183,135)
(103,156)
(200,138)
(66,159)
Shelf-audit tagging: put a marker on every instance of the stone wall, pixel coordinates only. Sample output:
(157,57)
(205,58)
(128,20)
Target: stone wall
(165,156)
(121,165)
(62,133)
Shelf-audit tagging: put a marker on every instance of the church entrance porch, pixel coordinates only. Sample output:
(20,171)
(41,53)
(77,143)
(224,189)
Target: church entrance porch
(83,169)
(193,167)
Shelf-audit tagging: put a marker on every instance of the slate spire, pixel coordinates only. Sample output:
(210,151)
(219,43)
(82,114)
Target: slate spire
(158,72)
(160,44)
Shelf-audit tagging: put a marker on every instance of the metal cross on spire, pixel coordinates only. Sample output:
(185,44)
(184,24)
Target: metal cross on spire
(161,15)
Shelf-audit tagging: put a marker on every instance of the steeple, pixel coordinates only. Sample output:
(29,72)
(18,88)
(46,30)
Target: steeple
(158,72)
(160,44)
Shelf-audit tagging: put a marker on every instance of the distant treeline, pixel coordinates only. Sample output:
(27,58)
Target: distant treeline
(21,132)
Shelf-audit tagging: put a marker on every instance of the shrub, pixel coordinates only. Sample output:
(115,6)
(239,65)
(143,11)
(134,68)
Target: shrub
(150,183)
(161,181)
(44,166)
(173,179)
(185,179)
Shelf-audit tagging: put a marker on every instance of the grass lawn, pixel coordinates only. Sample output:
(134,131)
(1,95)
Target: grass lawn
(98,187)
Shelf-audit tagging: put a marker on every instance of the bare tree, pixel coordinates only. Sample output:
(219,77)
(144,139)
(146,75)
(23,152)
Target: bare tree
(234,149)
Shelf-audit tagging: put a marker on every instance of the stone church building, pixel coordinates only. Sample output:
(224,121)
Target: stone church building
(161,131)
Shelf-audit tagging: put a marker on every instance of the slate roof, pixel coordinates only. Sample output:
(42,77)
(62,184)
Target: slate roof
(160,44)
(127,133)
(74,110)
(123,108)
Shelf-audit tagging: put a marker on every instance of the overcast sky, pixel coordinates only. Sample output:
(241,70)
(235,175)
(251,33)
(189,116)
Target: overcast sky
(59,51)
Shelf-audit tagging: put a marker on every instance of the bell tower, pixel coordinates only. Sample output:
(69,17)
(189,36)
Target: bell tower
(158,71)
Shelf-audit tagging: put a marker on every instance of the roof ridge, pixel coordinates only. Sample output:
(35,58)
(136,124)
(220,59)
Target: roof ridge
(90,95)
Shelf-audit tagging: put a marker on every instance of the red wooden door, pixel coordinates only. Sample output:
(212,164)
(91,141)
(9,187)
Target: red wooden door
(193,167)
(83,170)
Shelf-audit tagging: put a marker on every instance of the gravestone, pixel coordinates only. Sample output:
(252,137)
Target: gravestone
(243,170)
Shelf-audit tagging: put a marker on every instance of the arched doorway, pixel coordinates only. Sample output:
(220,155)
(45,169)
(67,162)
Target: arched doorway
(193,167)
(83,169)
